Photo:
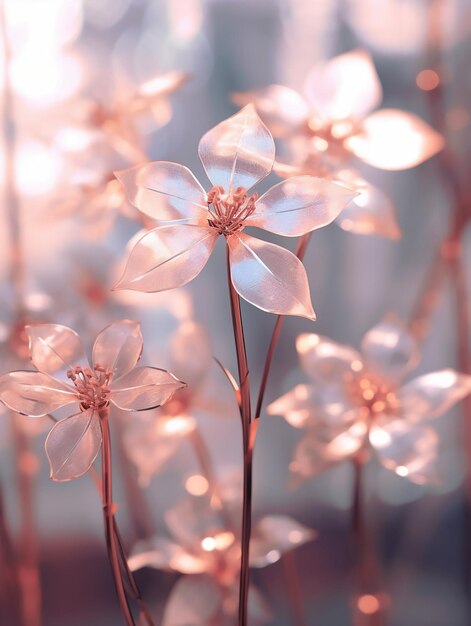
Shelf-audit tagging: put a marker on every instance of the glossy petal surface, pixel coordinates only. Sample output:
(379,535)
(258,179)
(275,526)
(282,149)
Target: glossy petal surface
(165,191)
(327,361)
(299,205)
(72,445)
(269,277)
(395,140)
(161,553)
(274,535)
(190,353)
(168,257)
(193,601)
(34,393)
(389,350)
(55,348)
(345,87)
(238,152)
(433,394)
(282,109)
(118,347)
(144,388)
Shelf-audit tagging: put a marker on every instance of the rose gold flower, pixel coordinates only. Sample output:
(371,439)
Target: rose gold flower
(204,545)
(359,401)
(334,122)
(236,154)
(113,378)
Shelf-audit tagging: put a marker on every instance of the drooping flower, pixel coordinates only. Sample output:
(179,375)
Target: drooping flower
(236,154)
(204,545)
(336,121)
(65,378)
(360,402)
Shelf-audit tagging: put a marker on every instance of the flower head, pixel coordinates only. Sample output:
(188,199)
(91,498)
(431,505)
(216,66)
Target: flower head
(236,154)
(336,121)
(359,400)
(112,378)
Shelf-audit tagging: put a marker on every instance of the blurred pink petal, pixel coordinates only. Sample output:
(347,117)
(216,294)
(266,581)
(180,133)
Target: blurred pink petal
(161,553)
(269,277)
(433,394)
(55,348)
(296,406)
(282,109)
(409,452)
(190,353)
(118,347)
(165,191)
(345,87)
(369,213)
(299,205)
(144,388)
(73,444)
(274,535)
(194,601)
(238,152)
(160,86)
(167,257)
(389,351)
(395,140)
(327,361)
(34,393)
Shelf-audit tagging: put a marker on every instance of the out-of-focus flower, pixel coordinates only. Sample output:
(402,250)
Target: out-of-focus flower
(204,545)
(236,154)
(358,402)
(334,122)
(74,442)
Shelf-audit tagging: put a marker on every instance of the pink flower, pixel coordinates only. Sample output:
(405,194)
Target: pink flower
(113,378)
(359,401)
(334,122)
(236,154)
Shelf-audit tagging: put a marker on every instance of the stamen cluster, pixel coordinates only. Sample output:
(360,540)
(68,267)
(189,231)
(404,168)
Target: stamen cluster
(229,211)
(92,385)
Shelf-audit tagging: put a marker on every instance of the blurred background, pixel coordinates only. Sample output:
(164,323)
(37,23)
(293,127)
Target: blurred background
(74,65)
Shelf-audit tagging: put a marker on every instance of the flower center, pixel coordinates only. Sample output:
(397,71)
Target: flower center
(230,210)
(377,398)
(92,385)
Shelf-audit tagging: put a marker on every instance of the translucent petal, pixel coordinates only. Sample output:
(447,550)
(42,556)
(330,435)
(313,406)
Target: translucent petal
(144,388)
(407,451)
(327,361)
(389,350)
(370,213)
(161,553)
(72,445)
(269,277)
(274,535)
(194,601)
(282,109)
(296,406)
(238,152)
(162,85)
(299,205)
(433,394)
(55,348)
(118,347)
(190,521)
(34,393)
(346,87)
(395,140)
(167,257)
(165,191)
(190,353)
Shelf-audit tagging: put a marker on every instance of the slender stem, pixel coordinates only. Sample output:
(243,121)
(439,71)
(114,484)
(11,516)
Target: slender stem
(244,383)
(9,574)
(112,543)
(300,252)
(293,588)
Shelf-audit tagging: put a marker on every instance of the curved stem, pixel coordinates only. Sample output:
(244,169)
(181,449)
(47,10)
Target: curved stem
(300,252)
(243,369)
(112,543)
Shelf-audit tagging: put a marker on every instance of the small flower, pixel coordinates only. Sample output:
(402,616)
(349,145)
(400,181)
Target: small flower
(204,545)
(334,123)
(113,378)
(360,400)
(236,154)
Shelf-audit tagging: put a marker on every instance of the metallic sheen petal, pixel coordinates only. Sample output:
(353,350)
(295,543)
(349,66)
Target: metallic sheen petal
(34,393)
(118,347)
(55,349)
(144,388)
(327,361)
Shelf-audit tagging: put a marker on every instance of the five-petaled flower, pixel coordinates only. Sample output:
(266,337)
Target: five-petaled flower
(359,401)
(113,378)
(236,154)
(334,122)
